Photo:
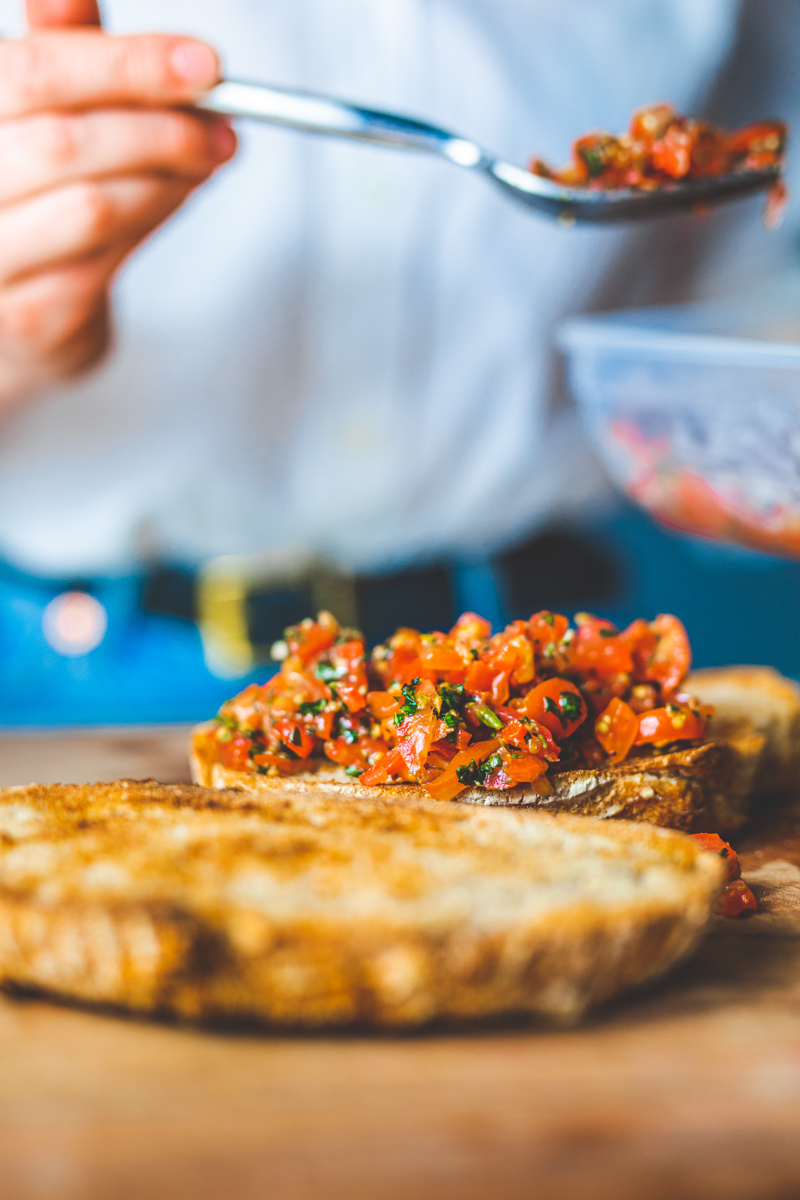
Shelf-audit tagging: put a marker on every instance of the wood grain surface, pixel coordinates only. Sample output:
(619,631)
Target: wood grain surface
(689,1090)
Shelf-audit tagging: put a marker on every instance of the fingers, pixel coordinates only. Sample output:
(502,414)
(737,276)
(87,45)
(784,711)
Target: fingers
(51,149)
(52,14)
(54,324)
(85,68)
(83,219)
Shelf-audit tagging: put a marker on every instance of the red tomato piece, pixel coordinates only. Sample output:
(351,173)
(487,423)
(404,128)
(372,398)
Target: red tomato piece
(651,123)
(517,767)
(527,734)
(415,736)
(471,628)
(291,732)
(599,648)
(382,704)
(447,785)
(547,627)
(715,845)
(557,704)
(479,678)
(236,753)
(440,658)
(616,729)
(670,661)
(309,639)
(675,723)
(736,898)
(353,691)
(389,764)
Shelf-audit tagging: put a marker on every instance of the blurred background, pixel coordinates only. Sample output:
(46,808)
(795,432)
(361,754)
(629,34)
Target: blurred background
(335,377)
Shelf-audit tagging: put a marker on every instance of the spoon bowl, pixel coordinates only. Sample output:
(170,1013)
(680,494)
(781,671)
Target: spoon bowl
(314,113)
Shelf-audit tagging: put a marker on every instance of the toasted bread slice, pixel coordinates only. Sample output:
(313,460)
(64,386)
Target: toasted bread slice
(306,911)
(761,697)
(703,788)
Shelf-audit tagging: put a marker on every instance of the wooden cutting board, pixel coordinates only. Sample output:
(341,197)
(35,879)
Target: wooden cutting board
(689,1090)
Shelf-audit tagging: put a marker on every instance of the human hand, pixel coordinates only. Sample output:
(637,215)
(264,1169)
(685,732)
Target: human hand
(95,155)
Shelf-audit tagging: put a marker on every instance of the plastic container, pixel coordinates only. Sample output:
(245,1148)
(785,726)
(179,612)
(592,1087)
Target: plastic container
(696,412)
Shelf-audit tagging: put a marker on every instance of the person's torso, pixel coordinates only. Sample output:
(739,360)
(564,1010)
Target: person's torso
(346,347)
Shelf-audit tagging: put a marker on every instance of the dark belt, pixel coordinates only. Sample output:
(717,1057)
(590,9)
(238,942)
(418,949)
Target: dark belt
(243,604)
(242,612)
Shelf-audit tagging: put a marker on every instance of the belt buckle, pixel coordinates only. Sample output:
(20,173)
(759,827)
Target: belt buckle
(225,583)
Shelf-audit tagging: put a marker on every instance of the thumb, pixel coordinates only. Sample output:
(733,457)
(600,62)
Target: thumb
(61,14)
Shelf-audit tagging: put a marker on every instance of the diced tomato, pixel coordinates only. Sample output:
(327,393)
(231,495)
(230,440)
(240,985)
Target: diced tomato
(736,898)
(557,704)
(675,723)
(389,764)
(309,639)
(762,137)
(382,704)
(353,691)
(479,678)
(517,767)
(512,652)
(354,754)
(599,648)
(651,123)
(447,785)
(715,845)
(321,724)
(235,754)
(500,687)
(641,639)
(471,628)
(416,735)
(547,627)
(670,661)
(527,734)
(616,729)
(294,736)
(440,658)
(248,708)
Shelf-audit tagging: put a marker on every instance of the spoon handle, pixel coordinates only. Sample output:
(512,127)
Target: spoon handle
(324,114)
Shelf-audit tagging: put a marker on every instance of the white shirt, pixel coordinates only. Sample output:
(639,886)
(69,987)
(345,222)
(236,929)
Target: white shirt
(348,348)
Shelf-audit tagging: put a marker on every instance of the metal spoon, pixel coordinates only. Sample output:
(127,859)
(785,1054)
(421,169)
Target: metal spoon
(324,114)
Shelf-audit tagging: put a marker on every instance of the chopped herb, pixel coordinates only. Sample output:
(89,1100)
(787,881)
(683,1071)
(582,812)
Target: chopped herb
(549,650)
(607,633)
(327,672)
(594,161)
(410,705)
(548,618)
(451,720)
(452,697)
(349,735)
(570,705)
(354,771)
(475,772)
(551,707)
(311,708)
(228,722)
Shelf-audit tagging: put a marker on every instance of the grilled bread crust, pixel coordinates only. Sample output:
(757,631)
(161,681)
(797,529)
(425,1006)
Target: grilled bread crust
(303,911)
(703,788)
(746,697)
